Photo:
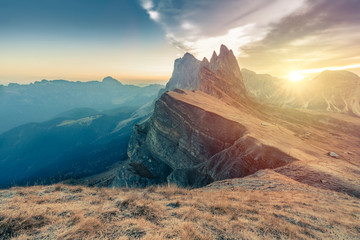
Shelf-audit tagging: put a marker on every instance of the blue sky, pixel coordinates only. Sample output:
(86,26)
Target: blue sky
(138,40)
(81,40)
(78,19)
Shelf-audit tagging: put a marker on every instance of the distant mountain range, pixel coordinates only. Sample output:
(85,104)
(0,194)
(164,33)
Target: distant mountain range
(44,100)
(334,91)
(89,129)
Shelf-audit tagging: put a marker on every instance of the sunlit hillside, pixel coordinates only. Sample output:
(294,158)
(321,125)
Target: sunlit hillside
(234,209)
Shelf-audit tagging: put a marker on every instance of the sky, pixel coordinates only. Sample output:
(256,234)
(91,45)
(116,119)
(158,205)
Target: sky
(137,41)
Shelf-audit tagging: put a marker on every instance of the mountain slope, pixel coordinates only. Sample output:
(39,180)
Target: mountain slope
(265,205)
(76,143)
(331,91)
(215,132)
(61,148)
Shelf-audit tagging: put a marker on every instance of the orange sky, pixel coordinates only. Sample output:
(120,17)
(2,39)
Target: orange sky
(138,41)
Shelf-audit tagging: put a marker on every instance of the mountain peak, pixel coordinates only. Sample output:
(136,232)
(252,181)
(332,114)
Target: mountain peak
(109,79)
(225,63)
(185,74)
(205,60)
(223,50)
(205,63)
(337,73)
(337,78)
(188,56)
(213,57)
(221,74)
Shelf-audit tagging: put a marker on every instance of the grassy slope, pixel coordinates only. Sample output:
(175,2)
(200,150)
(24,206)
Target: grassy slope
(292,202)
(246,208)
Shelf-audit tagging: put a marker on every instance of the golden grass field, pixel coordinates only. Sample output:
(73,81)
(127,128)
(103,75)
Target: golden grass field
(168,212)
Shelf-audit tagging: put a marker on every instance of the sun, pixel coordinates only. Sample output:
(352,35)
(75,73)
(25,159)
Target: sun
(295,77)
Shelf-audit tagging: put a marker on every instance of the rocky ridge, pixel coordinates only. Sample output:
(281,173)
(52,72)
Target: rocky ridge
(211,130)
(191,141)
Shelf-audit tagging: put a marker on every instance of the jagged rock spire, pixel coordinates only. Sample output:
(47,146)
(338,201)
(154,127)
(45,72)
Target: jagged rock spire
(213,57)
(188,73)
(223,50)
(185,74)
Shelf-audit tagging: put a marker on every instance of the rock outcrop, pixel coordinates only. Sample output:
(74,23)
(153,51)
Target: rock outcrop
(186,141)
(205,128)
(186,74)
(179,135)
(221,77)
(190,143)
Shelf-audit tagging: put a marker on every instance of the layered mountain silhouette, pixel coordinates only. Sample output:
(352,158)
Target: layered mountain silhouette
(207,127)
(44,100)
(81,141)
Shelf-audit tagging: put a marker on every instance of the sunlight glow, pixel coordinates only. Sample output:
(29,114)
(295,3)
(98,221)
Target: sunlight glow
(300,75)
(319,70)
(296,76)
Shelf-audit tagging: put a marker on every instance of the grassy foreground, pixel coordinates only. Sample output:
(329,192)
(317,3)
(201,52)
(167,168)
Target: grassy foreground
(74,212)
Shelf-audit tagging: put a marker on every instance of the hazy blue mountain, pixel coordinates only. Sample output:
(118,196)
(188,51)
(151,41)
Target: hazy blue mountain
(77,113)
(63,148)
(44,100)
(81,138)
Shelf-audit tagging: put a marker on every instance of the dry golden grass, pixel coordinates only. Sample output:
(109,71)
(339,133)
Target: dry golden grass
(68,212)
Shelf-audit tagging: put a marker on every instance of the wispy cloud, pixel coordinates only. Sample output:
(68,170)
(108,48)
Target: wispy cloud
(275,37)
(321,33)
(149,7)
(204,46)
(201,26)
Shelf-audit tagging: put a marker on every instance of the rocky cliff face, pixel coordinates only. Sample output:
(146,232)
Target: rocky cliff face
(192,145)
(210,130)
(189,143)
(186,74)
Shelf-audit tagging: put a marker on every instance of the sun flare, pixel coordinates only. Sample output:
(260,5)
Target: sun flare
(295,77)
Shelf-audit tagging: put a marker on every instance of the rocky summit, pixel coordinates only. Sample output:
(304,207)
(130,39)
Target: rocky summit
(205,127)
(221,77)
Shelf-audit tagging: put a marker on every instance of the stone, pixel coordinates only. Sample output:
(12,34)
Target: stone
(173,205)
(332,154)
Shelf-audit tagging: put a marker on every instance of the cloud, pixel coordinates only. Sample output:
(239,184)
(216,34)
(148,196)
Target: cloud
(147,4)
(205,46)
(201,26)
(276,37)
(316,17)
(149,7)
(320,34)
